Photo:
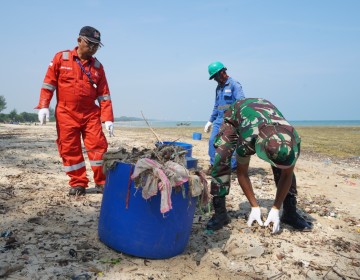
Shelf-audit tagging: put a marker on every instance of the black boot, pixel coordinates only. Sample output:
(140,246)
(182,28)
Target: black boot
(79,190)
(291,217)
(220,218)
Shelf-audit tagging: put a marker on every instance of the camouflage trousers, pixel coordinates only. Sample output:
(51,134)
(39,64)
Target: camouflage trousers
(226,143)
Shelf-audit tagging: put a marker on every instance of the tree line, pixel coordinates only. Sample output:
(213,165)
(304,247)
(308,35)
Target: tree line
(14,117)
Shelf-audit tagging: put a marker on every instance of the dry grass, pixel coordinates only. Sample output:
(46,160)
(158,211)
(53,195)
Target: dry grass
(341,142)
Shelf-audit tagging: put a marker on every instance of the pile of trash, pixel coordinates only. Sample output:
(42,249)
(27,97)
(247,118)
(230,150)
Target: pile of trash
(161,169)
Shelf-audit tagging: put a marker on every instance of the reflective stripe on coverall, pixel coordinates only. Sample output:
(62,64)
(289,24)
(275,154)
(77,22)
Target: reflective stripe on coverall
(77,114)
(225,96)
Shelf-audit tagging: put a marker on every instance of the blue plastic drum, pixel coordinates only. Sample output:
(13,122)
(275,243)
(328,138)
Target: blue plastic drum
(197,136)
(186,146)
(141,230)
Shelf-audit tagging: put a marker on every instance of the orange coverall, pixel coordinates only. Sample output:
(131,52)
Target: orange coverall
(77,115)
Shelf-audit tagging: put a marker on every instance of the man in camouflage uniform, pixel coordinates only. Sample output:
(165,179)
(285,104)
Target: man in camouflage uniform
(250,126)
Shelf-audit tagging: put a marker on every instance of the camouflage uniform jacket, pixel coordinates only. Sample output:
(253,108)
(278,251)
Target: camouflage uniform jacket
(239,132)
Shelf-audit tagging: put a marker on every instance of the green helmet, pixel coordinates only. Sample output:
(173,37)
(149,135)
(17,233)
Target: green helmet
(214,68)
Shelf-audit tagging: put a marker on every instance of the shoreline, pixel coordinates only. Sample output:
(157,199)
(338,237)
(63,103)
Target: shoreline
(324,137)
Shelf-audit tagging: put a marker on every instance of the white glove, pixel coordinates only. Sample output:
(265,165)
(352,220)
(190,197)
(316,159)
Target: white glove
(208,126)
(274,218)
(44,115)
(255,215)
(110,127)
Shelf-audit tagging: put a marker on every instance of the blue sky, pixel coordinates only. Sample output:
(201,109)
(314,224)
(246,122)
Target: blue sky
(304,56)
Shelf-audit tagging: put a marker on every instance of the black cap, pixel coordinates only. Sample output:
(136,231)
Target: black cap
(92,34)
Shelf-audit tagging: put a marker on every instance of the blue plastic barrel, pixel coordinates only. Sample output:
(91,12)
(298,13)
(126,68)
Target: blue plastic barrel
(141,230)
(197,136)
(186,146)
(191,163)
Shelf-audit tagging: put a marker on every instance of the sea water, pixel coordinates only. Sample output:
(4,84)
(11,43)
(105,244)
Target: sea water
(169,124)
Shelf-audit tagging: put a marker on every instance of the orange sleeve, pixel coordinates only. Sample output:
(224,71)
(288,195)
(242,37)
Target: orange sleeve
(50,83)
(104,98)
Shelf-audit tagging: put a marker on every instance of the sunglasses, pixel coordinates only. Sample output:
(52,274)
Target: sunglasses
(89,44)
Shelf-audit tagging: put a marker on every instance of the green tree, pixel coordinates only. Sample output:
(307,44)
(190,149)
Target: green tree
(2,103)
(4,118)
(28,117)
(52,114)
(13,115)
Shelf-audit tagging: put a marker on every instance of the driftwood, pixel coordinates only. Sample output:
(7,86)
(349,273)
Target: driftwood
(157,137)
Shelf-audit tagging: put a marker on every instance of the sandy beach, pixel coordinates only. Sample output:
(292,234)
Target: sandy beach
(45,234)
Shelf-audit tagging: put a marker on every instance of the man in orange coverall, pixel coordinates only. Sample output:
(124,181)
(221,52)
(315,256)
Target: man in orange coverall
(79,80)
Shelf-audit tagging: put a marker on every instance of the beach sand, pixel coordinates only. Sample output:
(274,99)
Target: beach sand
(45,234)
